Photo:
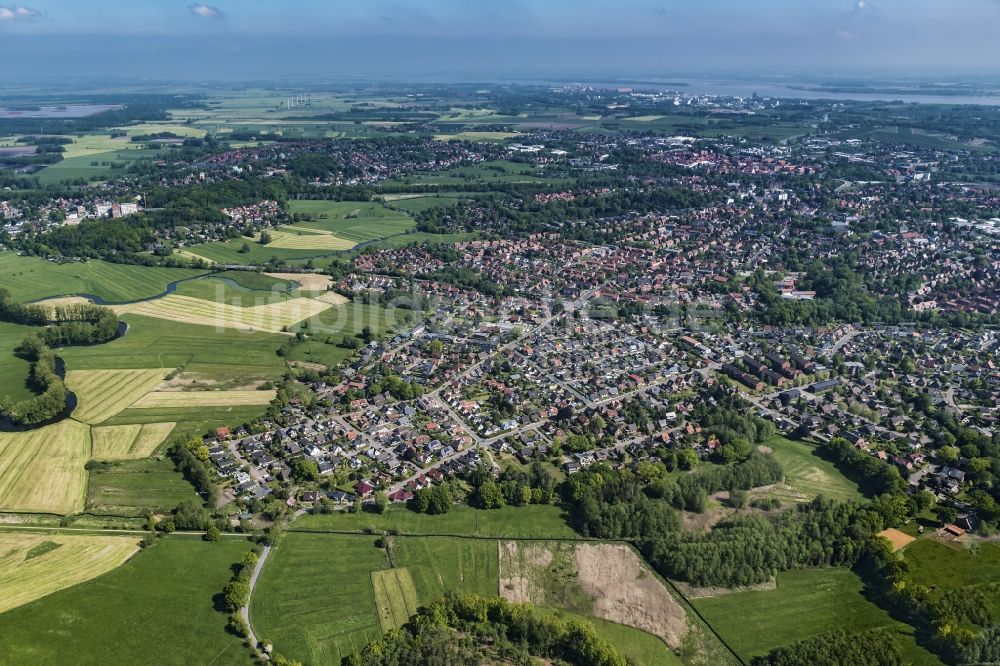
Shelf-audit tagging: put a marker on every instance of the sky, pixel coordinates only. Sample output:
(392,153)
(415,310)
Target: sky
(439,40)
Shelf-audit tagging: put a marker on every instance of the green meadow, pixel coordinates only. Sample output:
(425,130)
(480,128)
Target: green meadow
(805,603)
(32,278)
(163,594)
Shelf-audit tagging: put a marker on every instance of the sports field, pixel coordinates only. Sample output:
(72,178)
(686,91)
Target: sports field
(34,565)
(42,470)
(165,591)
(805,603)
(129,441)
(269,317)
(808,474)
(395,598)
(170,399)
(102,394)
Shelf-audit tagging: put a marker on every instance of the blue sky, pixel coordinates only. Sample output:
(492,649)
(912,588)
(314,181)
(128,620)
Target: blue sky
(435,38)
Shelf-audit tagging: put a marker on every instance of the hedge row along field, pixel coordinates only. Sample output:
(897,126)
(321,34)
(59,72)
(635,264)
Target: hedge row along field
(129,442)
(271,317)
(43,470)
(102,394)
(34,565)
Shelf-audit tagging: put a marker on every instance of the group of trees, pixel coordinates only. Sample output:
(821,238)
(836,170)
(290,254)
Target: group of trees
(61,326)
(869,648)
(472,629)
(434,500)
(514,487)
(186,461)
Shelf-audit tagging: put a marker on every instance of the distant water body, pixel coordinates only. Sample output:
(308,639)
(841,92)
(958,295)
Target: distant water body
(791,90)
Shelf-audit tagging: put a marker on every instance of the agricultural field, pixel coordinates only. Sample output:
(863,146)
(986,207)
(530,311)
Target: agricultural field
(300,238)
(32,278)
(182,399)
(268,317)
(102,394)
(124,442)
(355,221)
(35,565)
(952,566)
(228,291)
(808,474)
(42,471)
(804,603)
(439,564)
(131,487)
(170,589)
(395,598)
(314,597)
(531,521)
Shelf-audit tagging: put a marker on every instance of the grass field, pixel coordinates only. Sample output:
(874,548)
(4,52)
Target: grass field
(268,317)
(34,565)
(130,487)
(439,564)
(31,278)
(807,474)
(129,441)
(228,291)
(13,370)
(42,471)
(314,598)
(951,567)
(508,522)
(170,399)
(164,591)
(805,603)
(102,394)
(395,597)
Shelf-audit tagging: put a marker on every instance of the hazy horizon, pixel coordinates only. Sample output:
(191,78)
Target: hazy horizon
(461,39)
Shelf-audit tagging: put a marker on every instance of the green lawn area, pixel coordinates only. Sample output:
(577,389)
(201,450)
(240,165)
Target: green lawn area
(13,370)
(129,487)
(510,522)
(422,203)
(157,608)
(640,648)
(808,473)
(32,278)
(228,252)
(98,166)
(805,603)
(951,566)
(314,598)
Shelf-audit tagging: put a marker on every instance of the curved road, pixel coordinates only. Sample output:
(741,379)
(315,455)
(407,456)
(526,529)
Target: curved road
(245,611)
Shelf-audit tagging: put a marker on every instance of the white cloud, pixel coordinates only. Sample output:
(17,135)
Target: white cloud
(18,13)
(206,11)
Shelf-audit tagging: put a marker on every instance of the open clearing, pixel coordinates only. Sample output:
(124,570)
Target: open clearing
(900,540)
(807,474)
(395,597)
(270,317)
(160,399)
(126,442)
(604,580)
(34,565)
(102,394)
(805,603)
(307,281)
(953,566)
(43,470)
